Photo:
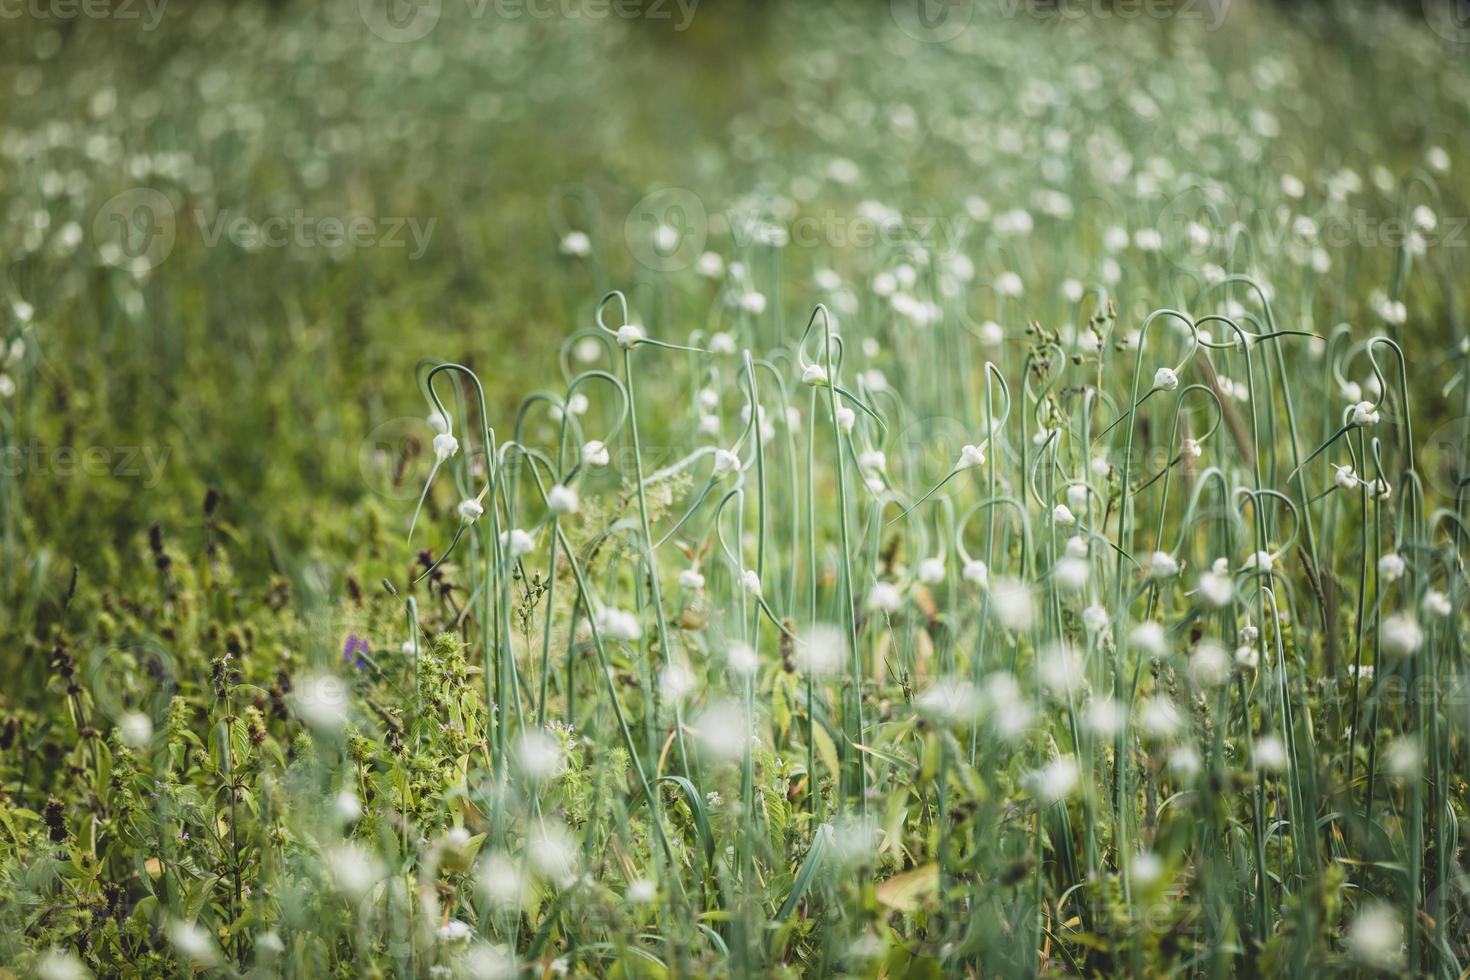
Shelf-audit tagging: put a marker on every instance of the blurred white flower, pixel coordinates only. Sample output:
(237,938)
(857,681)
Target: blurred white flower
(1376,937)
(1149,638)
(1400,635)
(976,573)
(1055,781)
(1062,516)
(354,869)
(1364,414)
(193,942)
(931,571)
(1270,754)
(321,700)
(884,597)
(751,582)
(517,542)
(135,729)
(1436,605)
(470,510)
(61,964)
(1163,565)
(814,375)
(691,579)
(721,732)
(538,755)
(630,335)
(1165,379)
(618,624)
(562,500)
(594,453)
(1013,603)
(1391,567)
(742,659)
(576,243)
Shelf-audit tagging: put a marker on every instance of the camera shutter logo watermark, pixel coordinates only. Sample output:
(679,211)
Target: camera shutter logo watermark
(932,21)
(1450,19)
(400,21)
(667,230)
(1444,460)
(396,457)
(135,230)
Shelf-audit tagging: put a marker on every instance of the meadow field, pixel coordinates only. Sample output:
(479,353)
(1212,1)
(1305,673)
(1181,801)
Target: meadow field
(660,488)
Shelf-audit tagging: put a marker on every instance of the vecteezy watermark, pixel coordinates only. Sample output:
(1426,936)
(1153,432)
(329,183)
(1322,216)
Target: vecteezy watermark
(147,12)
(138,229)
(401,21)
(33,458)
(937,21)
(668,229)
(302,230)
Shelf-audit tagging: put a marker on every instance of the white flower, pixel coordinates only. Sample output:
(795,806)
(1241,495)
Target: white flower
(721,342)
(1166,379)
(1191,449)
(823,652)
(470,510)
(1247,658)
(676,682)
(135,729)
(1105,717)
(873,461)
(1209,666)
(1062,516)
(691,579)
(1404,758)
(1013,603)
(1391,567)
(1270,754)
(952,700)
(641,891)
(562,500)
(742,659)
(594,453)
(193,942)
(1436,604)
(1438,159)
(454,931)
(501,881)
(1163,565)
(1056,780)
(1364,414)
(1345,478)
(618,624)
(60,964)
(355,870)
(753,302)
(321,700)
(347,806)
(1008,284)
(976,573)
(1261,560)
(846,418)
(814,375)
(445,446)
(1184,762)
(552,850)
(517,542)
(1216,585)
(1095,618)
(884,597)
(576,243)
(1159,717)
(751,582)
(1148,637)
(726,462)
(1060,669)
(1146,868)
(931,571)
(1077,496)
(1400,635)
(630,335)
(970,456)
(1070,574)
(1376,937)
(710,265)
(722,733)
(538,755)
(1076,547)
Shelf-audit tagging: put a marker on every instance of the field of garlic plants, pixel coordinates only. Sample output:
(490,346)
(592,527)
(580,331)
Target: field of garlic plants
(768,490)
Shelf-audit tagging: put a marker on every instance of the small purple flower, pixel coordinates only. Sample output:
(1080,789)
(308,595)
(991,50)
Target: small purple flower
(354,650)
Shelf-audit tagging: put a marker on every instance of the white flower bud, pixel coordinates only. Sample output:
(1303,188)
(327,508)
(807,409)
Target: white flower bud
(1391,567)
(970,456)
(976,573)
(814,375)
(562,500)
(517,542)
(1166,379)
(751,582)
(1062,516)
(1364,414)
(445,446)
(630,335)
(726,462)
(931,571)
(691,579)
(595,453)
(470,510)
(1163,565)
